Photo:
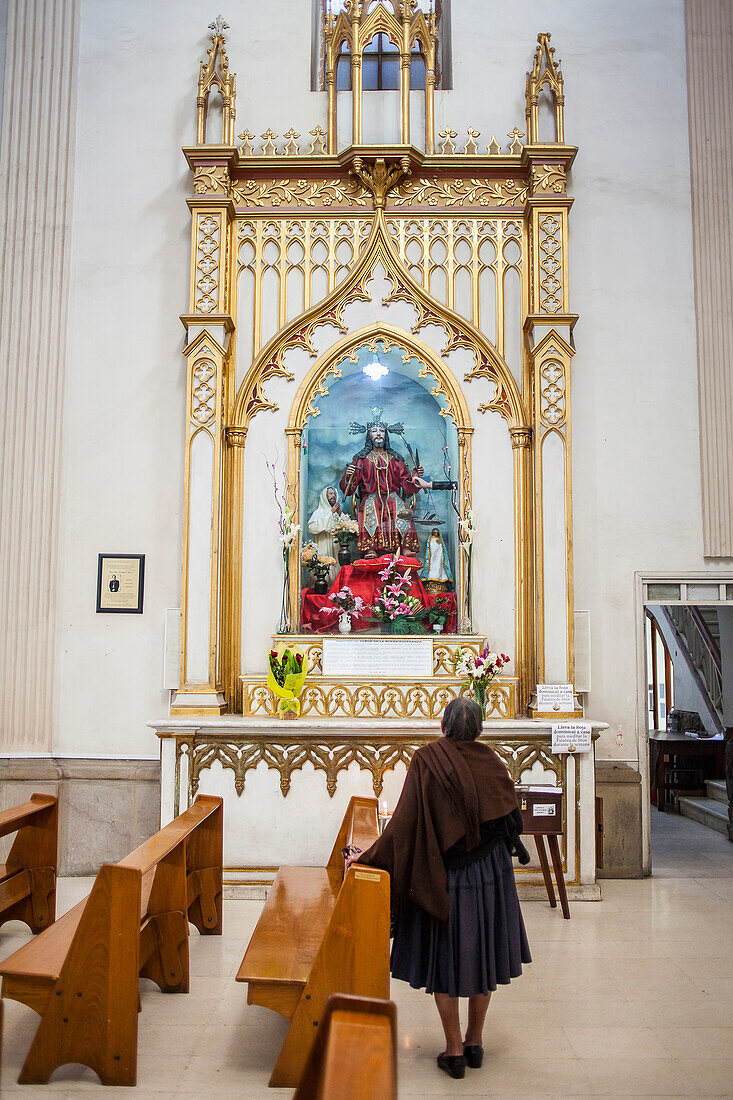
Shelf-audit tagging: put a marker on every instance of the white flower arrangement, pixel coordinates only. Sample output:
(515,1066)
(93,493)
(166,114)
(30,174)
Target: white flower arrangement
(467,529)
(288,529)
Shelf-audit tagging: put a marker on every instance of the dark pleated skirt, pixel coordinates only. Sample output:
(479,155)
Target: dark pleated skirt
(483,943)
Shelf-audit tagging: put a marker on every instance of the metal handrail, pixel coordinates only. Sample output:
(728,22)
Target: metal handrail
(704,655)
(704,629)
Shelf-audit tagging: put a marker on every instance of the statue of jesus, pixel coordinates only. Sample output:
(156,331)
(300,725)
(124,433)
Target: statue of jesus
(381,484)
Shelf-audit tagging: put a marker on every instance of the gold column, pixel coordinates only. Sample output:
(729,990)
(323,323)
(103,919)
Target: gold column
(203,416)
(430,110)
(356,79)
(231,572)
(405,77)
(463,610)
(331,88)
(430,51)
(523,565)
(294,436)
(200,690)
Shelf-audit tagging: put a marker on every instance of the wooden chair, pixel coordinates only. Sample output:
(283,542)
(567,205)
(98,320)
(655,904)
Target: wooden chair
(355,1052)
(320,932)
(82,974)
(28,878)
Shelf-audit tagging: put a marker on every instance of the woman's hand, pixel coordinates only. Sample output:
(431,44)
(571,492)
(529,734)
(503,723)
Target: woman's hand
(422,483)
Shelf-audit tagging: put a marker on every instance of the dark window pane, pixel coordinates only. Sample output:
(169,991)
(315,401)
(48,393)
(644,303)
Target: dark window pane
(343,74)
(417,73)
(390,72)
(370,72)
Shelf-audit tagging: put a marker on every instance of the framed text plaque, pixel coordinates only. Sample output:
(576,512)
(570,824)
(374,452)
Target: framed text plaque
(396,657)
(120,580)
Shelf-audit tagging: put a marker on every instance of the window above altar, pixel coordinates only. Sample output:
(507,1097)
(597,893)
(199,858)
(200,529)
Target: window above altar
(381,57)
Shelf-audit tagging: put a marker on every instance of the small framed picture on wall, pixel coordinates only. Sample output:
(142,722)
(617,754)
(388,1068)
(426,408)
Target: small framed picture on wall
(120,580)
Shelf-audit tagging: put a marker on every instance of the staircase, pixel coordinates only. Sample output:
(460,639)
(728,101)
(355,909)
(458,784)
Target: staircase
(711,810)
(698,635)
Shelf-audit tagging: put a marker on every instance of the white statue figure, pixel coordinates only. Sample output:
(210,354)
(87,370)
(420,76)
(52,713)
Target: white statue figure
(321,524)
(436,572)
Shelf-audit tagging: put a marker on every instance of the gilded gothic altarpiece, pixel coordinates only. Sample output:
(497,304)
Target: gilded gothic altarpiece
(447,253)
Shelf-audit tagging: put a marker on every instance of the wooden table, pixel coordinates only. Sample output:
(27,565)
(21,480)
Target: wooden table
(663,744)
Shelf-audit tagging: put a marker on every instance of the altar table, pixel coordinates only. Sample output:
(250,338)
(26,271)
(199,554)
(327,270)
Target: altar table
(286,785)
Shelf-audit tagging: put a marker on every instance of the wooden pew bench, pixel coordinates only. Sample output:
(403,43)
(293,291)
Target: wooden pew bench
(82,974)
(28,877)
(320,932)
(355,1052)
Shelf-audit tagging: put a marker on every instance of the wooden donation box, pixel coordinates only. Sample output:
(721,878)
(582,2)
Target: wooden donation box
(541,809)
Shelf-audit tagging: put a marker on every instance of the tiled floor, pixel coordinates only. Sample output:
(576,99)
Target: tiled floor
(630,997)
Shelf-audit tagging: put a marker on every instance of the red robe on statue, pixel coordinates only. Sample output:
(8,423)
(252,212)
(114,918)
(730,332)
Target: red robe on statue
(381,484)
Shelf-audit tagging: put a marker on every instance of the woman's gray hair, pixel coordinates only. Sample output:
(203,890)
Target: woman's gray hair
(462,719)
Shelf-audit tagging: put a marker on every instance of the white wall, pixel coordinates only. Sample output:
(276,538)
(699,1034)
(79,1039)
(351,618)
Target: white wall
(636,469)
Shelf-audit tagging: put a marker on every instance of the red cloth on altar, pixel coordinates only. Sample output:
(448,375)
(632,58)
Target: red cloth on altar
(362,577)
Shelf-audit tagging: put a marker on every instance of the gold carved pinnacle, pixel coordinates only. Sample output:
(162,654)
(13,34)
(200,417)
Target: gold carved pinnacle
(379,179)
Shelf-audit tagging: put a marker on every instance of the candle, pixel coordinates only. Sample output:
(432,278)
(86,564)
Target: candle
(384,816)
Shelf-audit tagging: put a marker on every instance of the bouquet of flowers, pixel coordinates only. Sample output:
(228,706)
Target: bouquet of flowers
(288,534)
(467,530)
(345,602)
(479,671)
(288,669)
(440,610)
(344,530)
(288,528)
(315,563)
(394,605)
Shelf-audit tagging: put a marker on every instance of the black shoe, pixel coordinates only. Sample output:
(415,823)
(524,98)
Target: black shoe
(474,1056)
(453,1064)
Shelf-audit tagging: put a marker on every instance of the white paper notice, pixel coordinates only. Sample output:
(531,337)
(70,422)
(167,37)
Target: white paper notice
(543,810)
(557,697)
(571,737)
(377,657)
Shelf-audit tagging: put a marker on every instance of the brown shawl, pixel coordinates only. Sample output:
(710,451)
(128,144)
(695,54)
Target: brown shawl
(451,788)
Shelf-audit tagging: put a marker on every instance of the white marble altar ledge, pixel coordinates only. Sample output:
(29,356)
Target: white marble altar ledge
(286,784)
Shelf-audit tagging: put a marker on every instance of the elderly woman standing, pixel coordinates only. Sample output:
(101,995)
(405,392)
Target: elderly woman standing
(458,928)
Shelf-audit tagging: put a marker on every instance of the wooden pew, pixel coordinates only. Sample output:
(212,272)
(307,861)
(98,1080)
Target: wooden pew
(320,932)
(28,878)
(355,1052)
(82,974)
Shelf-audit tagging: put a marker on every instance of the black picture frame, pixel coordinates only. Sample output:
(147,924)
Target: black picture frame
(127,597)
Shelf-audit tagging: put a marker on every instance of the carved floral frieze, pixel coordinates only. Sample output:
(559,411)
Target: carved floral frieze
(548,178)
(460,192)
(302,192)
(211,179)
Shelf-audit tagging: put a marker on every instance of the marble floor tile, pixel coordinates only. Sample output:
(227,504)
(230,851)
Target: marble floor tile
(633,996)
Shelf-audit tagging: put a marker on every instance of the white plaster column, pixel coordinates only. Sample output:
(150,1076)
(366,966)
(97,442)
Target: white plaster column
(709,40)
(36,187)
